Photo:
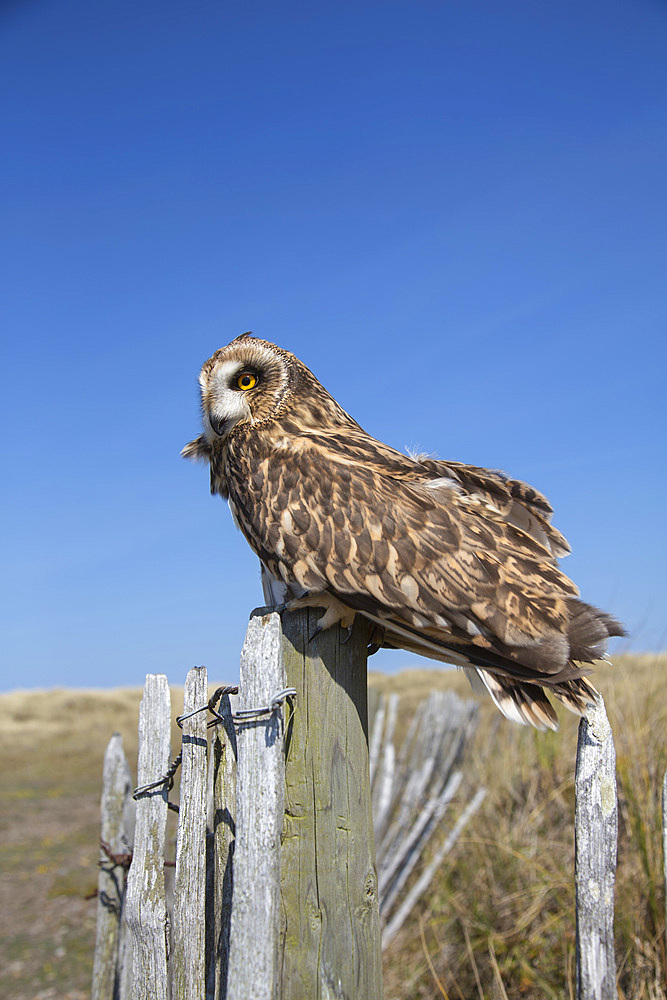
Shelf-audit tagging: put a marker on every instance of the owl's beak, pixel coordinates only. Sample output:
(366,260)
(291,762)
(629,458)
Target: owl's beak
(223,408)
(220,425)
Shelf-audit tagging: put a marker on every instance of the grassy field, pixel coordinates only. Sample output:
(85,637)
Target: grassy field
(499,919)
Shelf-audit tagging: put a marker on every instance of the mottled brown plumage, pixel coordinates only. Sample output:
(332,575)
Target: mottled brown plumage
(448,560)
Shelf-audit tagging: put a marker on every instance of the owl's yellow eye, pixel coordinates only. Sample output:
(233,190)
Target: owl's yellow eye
(246,381)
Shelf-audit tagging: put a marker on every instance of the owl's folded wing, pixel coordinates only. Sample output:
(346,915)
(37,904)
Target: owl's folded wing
(441,561)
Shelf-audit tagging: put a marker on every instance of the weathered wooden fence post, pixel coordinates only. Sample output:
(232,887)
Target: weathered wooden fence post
(189,960)
(146,905)
(117,822)
(220,860)
(253,954)
(595,839)
(330,944)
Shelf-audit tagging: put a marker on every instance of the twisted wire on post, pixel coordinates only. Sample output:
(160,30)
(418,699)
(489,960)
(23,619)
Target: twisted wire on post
(245,715)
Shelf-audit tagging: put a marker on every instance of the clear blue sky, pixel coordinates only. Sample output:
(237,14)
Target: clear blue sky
(454,212)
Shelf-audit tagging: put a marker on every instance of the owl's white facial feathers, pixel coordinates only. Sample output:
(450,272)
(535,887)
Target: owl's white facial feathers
(225,403)
(224,406)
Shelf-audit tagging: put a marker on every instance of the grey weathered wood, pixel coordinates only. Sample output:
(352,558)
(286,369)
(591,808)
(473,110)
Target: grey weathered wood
(376,703)
(425,778)
(421,885)
(381,796)
(124,977)
(220,881)
(260,787)
(330,939)
(188,961)
(146,908)
(438,734)
(595,837)
(125,951)
(399,868)
(111,882)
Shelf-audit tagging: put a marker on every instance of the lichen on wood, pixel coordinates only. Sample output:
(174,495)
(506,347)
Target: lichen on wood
(595,834)
(330,934)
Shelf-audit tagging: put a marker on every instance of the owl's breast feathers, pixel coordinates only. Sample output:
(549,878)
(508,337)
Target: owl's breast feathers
(457,562)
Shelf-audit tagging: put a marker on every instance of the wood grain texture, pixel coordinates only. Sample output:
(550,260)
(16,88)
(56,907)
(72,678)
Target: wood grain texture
(253,969)
(220,881)
(146,909)
(111,882)
(189,962)
(595,839)
(330,933)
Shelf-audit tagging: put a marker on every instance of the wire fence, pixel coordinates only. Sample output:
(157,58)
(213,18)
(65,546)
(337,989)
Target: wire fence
(262,854)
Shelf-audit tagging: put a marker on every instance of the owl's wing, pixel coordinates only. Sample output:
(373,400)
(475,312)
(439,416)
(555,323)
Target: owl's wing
(433,556)
(519,503)
(436,560)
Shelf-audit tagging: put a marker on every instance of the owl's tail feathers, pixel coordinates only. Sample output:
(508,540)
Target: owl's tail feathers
(588,631)
(518,678)
(520,702)
(527,703)
(577,694)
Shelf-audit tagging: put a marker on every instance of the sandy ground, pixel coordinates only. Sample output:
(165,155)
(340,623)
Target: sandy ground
(47,927)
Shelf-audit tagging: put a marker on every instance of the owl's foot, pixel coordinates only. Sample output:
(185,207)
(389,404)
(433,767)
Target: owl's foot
(335,612)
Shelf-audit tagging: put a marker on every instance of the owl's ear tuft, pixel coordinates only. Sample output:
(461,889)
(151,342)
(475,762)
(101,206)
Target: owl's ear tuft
(198,450)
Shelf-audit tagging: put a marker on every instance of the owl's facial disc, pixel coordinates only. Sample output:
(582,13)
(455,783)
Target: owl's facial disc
(225,399)
(246,382)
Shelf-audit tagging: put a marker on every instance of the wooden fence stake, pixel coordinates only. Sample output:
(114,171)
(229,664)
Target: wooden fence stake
(398,918)
(595,838)
(189,963)
(146,908)
(253,955)
(222,828)
(114,809)
(330,939)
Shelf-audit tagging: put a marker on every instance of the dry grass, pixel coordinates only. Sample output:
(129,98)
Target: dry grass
(499,920)
(51,749)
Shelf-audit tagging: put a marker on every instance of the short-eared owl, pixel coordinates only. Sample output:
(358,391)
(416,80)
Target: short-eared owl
(448,560)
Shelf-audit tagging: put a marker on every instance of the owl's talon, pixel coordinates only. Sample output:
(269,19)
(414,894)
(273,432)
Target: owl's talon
(348,629)
(375,642)
(316,633)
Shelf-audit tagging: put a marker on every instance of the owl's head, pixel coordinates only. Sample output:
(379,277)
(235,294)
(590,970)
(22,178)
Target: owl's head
(254,382)
(250,381)
(247,381)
